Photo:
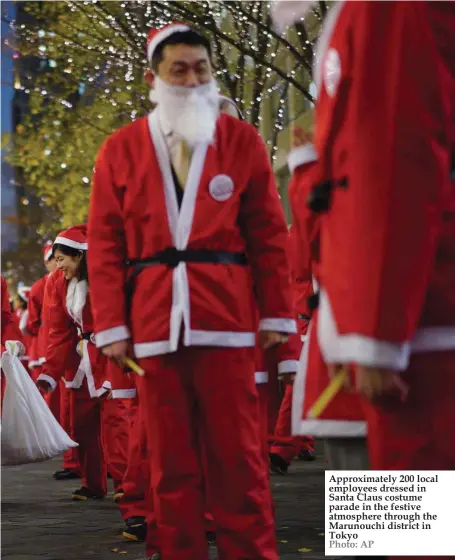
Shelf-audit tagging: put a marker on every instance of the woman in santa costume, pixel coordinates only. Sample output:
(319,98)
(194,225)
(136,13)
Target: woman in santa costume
(100,425)
(20,303)
(195,222)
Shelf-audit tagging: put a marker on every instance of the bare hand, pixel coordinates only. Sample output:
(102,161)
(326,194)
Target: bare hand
(44,386)
(374,383)
(334,369)
(118,351)
(269,339)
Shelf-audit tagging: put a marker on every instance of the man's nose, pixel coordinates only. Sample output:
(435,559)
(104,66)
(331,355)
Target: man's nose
(191,79)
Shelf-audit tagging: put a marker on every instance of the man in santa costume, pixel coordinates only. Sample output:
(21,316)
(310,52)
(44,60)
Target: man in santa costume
(185,215)
(385,137)
(34,319)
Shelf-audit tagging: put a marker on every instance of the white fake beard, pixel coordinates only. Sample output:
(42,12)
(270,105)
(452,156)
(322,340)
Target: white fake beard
(287,12)
(191,112)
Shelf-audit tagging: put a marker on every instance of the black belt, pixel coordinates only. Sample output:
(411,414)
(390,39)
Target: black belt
(172,257)
(86,335)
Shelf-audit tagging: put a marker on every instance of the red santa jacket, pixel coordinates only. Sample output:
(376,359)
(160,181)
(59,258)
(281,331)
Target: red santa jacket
(343,417)
(230,204)
(385,138)
(9,327)
(34,322)
(67,317)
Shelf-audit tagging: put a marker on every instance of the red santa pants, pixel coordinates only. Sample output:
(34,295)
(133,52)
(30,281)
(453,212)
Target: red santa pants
(70,457)
(210,392)
(420,433)
(100,427)
(285,445)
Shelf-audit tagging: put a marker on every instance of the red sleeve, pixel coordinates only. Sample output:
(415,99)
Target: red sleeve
(304,240)
(35,304)
(288,355)
(265,231)
(107,253)
(61,331)
(9,328)
(379,237)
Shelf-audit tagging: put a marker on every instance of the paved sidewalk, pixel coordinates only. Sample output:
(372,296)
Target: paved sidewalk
(40,521)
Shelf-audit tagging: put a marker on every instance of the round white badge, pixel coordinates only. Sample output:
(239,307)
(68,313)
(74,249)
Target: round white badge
(221,187)
(332,72)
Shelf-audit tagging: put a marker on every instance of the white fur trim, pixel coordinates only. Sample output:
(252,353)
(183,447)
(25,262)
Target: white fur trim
(49,379)
(303,337)
(123,393)
(23,322)
(48,255)
(149,349)
(180,224)
(278,325)
(222,338)
(85,371)
(76,297)
(356,348)
(23,292)
(162,35)
(261,377)
(71,243)
(317,427)
(116,334)
(301,155)
(288,366)
(433,339)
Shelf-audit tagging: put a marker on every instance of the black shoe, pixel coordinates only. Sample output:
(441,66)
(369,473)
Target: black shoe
(155,556)
(307,455)
(83,494)
(136,529)
(118,495)
(65,474)
(211,537)
(278,464)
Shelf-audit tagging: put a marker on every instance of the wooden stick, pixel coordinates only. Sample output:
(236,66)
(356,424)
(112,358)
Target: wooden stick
(133,366)
(328,394)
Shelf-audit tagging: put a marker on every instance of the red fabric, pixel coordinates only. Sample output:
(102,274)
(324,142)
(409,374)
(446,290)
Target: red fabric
(9,327)
(227,419)
(417,434)
(388,244)
(286,445)
(70,457)
(34,320)
(53,401)
(115,435)
(87,417)
(251,221)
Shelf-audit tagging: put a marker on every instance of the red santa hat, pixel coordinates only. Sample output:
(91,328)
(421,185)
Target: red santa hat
(157,36)
(74,237)
(24,292)
(47,251)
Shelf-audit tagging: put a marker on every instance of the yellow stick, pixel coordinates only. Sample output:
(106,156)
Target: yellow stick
(134,367)
(328,394)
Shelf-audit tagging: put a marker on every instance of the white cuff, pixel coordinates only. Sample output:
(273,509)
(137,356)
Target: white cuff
(357,348)
(301,155)
(49,379)
(288,366)
(261,377)
(116,334)
(278,325)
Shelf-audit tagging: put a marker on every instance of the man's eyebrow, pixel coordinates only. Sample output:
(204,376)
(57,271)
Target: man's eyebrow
(184,63)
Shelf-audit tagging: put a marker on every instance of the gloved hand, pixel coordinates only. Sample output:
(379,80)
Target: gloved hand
(15,347)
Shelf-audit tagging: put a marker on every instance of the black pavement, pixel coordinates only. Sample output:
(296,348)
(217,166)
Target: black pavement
(40,521)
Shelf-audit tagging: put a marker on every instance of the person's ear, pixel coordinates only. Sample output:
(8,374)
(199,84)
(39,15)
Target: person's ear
(150,78)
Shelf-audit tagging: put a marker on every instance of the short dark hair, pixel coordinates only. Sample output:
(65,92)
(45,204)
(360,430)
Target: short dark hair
(191,37)
(71,252)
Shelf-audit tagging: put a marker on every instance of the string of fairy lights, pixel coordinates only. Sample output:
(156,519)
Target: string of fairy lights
(97,50)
